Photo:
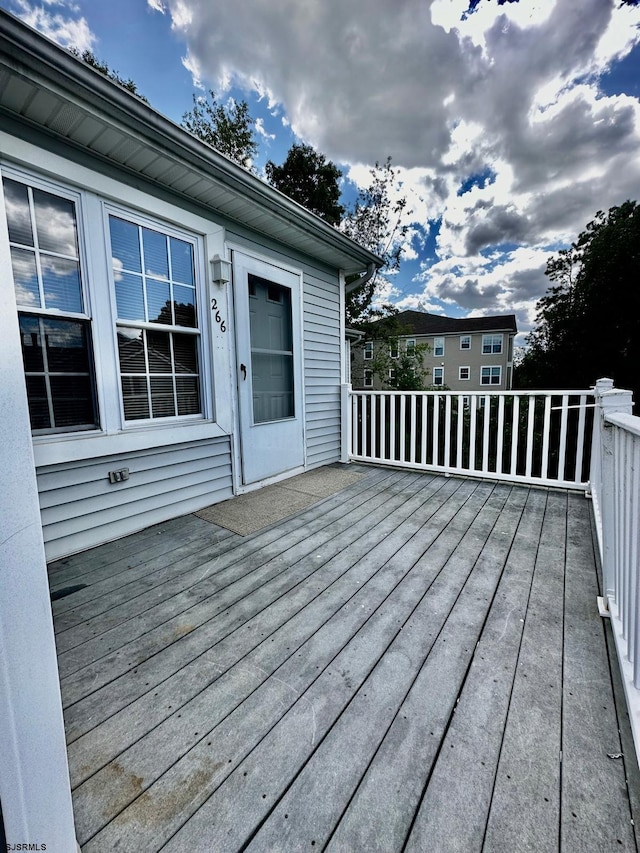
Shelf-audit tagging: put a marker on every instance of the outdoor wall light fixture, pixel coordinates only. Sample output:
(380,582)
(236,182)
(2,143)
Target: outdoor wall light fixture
(220,270)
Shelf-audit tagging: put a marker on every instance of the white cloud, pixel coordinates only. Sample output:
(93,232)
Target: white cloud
(59,27)
(156,6)
(510,92)
(260,130)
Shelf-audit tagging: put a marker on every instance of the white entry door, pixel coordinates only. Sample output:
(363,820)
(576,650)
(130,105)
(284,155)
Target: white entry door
(269,368)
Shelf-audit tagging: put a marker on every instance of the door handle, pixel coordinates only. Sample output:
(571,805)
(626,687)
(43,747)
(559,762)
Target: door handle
(243,370)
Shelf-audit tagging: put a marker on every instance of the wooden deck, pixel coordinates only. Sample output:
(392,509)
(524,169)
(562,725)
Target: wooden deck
(413,664)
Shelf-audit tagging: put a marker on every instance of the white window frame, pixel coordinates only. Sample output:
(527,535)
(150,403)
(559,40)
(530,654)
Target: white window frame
(61,190)
(490,374)
(440,375)
(467,339)
(411,344)
(367,353)
(490,342)
(462,378)
(438,344)
(368,374)
(165,228)
(392,374)
(95,191)
(394,351)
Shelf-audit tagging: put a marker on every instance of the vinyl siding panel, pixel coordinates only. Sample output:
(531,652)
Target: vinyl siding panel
(80,508)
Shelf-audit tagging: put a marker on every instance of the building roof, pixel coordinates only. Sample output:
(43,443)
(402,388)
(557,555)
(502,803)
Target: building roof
(44,86)
(423,323)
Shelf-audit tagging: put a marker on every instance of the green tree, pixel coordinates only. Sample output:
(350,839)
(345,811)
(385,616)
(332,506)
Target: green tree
(588,323)
(400,368)
(226,127)
(309,178)
(375,222)
(91,59)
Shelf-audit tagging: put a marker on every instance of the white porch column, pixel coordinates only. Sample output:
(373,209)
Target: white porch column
(608,401)
(34,775)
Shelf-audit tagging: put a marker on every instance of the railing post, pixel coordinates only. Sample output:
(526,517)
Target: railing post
(608,401)
(345,422)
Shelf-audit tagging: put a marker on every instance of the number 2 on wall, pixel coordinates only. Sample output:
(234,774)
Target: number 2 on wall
(219,320)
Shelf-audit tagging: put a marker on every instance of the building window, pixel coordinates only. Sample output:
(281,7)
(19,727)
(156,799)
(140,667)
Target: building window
(438,347)
(490,375)
(491,344)
(157,325)
(368,379)
(392,376)
(438,375)
(393,350)
(411,344)
(55,326)
(368,350)
(465,342)
(464,373)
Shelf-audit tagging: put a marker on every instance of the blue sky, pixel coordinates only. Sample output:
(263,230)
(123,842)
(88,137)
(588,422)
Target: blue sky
(510,127)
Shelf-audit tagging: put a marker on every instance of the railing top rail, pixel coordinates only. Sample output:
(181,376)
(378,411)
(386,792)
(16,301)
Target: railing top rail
(629,423)
(488,393)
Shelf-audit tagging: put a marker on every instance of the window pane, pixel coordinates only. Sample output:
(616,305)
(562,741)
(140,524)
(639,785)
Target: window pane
(129,299)
(185,354)
(31,344)
(25,278)
(131,351)
(67,350)
(16,199)
(61,283)
(38,405)
(272,378)
(72,400)
(135,398)
(162,399)
(181,261)
(188,395)
(125,245)
(155,253)
(159,350)
(159,302)
(55,223)
(184,303)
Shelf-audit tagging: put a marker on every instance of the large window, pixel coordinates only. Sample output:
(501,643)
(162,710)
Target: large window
(368,350)
(464,373)
(157,321)
(438,347)
(490,375)
(491,344)
(438,375)
(465,342)
(55,327)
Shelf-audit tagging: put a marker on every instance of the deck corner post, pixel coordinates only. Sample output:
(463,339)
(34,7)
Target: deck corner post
(345,422)
(34,782)
(609,400)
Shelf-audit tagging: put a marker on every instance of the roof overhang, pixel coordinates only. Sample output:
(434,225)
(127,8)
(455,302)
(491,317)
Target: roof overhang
(45,86)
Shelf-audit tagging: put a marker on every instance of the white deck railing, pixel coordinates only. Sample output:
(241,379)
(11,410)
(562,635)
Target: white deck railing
(615,487)
(522,436)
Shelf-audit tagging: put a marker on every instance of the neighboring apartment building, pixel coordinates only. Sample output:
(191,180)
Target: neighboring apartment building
(466,354)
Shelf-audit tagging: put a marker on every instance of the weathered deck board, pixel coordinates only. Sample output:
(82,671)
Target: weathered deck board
(596,813)
(395,668)
(224,697)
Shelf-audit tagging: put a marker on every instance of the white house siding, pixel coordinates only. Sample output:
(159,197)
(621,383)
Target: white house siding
(80,508)
(322,348)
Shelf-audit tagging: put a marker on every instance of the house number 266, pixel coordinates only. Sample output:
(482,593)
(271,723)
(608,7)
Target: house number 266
(219,320)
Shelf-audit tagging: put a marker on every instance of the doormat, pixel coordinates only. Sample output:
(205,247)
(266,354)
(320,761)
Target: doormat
(247,514)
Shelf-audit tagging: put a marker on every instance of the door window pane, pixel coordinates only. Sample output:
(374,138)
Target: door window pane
(272,368)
